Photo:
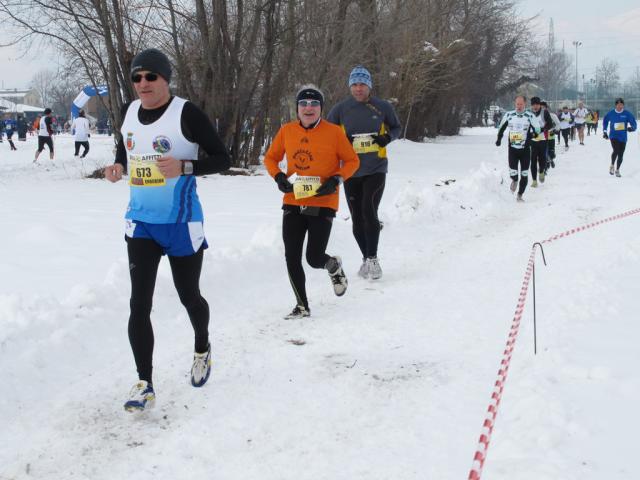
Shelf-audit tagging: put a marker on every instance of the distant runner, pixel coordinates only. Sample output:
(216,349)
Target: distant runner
(621,121)
(522,125)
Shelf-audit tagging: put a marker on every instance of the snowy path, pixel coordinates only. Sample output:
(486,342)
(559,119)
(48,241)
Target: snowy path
(392,380)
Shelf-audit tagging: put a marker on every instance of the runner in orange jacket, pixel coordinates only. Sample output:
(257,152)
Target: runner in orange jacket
(319,159)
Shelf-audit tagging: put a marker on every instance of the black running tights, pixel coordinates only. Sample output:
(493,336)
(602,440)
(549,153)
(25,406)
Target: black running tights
(144,258)
(538,158)
(618,151)
(519,157)
(363,197)
(85,145)
(565,135)
(294,229)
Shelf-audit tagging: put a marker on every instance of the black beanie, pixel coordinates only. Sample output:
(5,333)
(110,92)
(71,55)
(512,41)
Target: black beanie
(535,100)
(310,93)
(154,61)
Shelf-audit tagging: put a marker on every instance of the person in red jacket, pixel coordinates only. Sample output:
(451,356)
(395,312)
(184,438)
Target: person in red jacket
(319,159)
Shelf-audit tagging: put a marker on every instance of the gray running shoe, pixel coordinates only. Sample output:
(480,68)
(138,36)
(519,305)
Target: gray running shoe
(364,269)
(375,271)
(611,170)
(337,276)
(618,173)
(514,185)
(519,198)
(298,312)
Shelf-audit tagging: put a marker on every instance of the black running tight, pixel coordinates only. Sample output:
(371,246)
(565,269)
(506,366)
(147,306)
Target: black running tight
(294,229)
(144,258)
(85,146)
(519,157)
(618,152)
(538,158)
(363,197)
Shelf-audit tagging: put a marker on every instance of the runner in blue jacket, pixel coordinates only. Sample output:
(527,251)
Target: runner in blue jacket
(621,122)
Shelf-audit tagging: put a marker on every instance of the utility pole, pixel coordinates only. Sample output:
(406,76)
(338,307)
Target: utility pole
(577,44)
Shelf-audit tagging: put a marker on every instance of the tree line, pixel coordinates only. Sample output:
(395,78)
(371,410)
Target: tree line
(440,62)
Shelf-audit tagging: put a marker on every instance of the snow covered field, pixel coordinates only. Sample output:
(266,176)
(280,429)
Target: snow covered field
(391,381)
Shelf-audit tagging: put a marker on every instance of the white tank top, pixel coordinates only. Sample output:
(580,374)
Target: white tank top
(174,200)
(42,131)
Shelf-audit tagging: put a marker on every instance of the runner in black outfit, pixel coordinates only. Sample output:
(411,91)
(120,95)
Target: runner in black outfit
(370,124)
(164,214)
(539,142)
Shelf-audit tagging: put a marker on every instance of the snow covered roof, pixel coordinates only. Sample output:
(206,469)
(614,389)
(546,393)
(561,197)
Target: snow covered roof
(7,106)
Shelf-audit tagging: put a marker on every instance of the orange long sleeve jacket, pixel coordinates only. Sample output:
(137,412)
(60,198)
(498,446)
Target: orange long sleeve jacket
(322,151)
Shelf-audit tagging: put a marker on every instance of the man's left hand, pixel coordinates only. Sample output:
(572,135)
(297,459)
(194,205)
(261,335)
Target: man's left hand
(169,167)
(382,140)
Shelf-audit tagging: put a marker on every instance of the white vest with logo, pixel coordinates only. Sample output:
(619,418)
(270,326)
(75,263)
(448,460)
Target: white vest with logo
(176,200)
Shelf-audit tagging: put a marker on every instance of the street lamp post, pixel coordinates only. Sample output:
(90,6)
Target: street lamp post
(577,44)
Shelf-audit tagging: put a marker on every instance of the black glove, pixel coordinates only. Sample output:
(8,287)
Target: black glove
(605,136)
(382,140)
(498,142)
(283,184)
(350,138)
(328,187)
(629,128)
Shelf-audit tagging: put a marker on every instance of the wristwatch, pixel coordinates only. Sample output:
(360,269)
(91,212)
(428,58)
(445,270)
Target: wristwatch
(187,167)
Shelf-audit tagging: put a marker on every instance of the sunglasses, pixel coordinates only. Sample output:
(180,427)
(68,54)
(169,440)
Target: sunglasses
(149,77)
(308,103)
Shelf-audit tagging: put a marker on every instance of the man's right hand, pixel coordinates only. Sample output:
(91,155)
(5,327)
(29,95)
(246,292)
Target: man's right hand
(605,136)
(283,183)
(498,142)
(113,173)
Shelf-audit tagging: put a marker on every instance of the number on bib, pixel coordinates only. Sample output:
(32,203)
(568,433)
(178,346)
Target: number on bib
(305,187)
(364,144)
(619,126)
(516,137)
(143,171)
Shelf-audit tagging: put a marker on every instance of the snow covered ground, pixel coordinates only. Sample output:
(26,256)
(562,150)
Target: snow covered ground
(391,381)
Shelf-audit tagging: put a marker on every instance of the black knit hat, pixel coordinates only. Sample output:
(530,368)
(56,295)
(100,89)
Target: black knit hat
(154,61)
(535,100)
(619,100)
(47,111)
(310,92)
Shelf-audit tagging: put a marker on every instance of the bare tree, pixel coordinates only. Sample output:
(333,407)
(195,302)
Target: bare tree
(439,61)
(607,77)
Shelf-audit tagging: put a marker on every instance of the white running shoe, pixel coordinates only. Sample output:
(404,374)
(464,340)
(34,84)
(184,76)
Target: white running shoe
(514,185)
(336,273)
(201,368)
(375,271)
(364,269)
(611,170)
(141,397)
(519,198)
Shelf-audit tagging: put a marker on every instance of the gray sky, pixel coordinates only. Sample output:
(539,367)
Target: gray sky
(606,29)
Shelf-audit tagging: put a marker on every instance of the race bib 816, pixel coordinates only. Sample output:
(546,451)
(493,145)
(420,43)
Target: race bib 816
(364,143)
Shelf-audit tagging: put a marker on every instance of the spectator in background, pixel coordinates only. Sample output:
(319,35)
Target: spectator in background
(80,130)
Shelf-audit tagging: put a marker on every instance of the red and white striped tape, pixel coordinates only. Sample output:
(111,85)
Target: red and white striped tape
(496,396)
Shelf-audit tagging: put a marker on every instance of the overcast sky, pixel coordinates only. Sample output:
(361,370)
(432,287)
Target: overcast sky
(606,29)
